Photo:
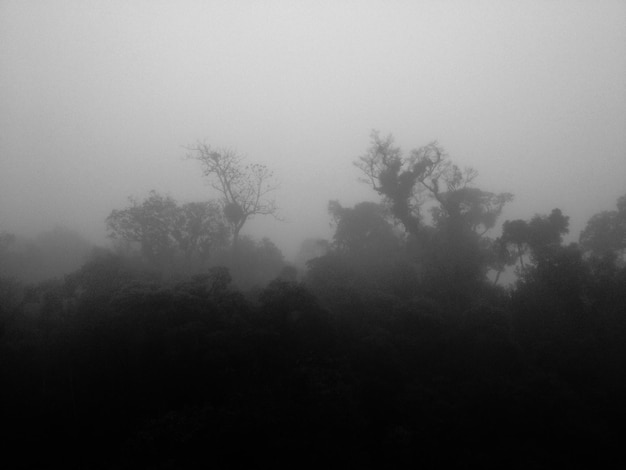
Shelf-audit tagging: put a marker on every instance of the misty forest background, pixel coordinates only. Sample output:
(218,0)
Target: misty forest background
(187,342)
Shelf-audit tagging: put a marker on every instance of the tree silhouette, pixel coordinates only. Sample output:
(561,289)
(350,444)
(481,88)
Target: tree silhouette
(363,230)
(539,237)
(244,188)
(163,228)
(605,233)
(408,182)
(401,180)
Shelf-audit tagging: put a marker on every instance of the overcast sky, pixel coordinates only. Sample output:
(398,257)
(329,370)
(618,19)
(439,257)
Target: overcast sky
(97,100)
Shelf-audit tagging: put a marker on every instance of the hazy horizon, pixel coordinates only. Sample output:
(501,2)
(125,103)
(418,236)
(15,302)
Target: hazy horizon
(98,101)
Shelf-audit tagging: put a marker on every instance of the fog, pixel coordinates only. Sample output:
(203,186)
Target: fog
(99,99)
(192,274)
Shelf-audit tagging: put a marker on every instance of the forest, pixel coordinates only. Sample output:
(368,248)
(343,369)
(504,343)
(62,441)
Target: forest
(189,343)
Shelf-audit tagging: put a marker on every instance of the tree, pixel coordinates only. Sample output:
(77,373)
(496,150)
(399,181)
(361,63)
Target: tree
(605,233)
(401,180)
(470,208)
(541,237)
(163,228)
(362,231)
(546,233)
(149,223)
(366,240)
(454,253)
(244,188)
(408,182)
(200,227)
(515,236)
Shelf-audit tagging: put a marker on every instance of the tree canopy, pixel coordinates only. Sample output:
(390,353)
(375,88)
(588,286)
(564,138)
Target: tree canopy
(363,230)
(164,229)
(605,233)
(393,349)
(408,182)
(539,237)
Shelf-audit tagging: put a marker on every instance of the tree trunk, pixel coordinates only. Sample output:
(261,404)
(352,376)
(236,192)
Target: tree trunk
(236,231)
(495,281)
(520,254)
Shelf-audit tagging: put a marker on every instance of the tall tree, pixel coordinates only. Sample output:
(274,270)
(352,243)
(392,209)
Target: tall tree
(149,223)
(163,228)
(363,230)
(541,237)
(245,188)
(200,227)
(402,180)
(407,182)
(470,208)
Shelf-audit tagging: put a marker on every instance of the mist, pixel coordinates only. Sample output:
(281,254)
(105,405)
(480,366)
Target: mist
(303,228)
(98,102)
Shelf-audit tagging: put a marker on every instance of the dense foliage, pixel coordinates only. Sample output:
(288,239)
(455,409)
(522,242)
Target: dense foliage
(395,345)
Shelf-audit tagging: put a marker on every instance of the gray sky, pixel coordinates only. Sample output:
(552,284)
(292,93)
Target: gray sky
(97,100)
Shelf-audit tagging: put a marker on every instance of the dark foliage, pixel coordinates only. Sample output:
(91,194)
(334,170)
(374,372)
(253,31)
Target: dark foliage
(393,350)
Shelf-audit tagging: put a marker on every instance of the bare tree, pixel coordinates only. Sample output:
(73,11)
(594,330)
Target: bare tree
(245,188)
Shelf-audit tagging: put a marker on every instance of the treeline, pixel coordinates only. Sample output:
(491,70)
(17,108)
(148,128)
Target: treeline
(396,344)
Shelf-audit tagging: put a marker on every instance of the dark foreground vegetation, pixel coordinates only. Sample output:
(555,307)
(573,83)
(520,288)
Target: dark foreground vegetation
(396,344)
